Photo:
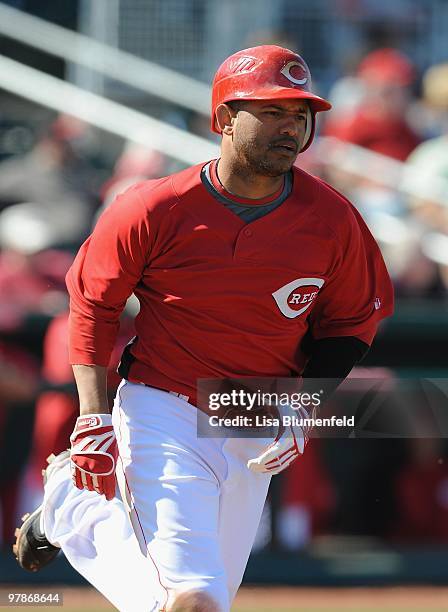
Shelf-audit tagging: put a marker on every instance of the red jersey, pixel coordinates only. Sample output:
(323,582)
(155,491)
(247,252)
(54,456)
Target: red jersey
(219,297)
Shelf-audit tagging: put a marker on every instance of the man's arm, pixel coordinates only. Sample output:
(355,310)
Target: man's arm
(91,381)
(105,272)
(94,450)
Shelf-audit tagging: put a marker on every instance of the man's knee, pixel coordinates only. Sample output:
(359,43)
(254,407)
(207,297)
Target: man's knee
(194,601)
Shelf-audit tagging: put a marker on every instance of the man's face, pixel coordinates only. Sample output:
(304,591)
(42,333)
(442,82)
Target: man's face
(268,134)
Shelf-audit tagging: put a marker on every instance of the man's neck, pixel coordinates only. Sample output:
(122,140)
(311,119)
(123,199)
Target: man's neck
(247,185)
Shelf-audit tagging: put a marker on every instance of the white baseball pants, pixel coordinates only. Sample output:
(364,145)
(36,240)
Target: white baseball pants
(193,504)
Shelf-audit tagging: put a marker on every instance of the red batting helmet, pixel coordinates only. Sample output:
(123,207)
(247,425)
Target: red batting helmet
(266,72)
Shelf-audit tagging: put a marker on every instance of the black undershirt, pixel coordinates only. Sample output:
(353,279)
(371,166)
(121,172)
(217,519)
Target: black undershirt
(332,359)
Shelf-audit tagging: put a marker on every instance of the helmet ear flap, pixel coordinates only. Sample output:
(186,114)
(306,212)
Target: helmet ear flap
(310,128)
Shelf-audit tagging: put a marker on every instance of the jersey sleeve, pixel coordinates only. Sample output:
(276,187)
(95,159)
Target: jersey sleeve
(359,292)
(103,275)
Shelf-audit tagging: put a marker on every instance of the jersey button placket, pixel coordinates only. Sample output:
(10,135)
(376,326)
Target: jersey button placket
(245,244)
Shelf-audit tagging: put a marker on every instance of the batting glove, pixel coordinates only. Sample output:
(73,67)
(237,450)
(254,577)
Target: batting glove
(289,443)
(94,454)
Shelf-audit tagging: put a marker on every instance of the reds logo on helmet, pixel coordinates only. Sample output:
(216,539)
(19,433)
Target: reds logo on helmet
(300,70)
(297,296)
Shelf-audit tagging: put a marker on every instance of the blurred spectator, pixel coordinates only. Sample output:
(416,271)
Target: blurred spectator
(136,163)
(346,93)
(31,271)
(435,97)
(59,175)
(427,166)
(426,175)
(399,236)
(379,120)
(429,113)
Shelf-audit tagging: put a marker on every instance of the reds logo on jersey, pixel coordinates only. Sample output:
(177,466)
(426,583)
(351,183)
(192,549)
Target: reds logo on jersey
(297,296)
(293,70)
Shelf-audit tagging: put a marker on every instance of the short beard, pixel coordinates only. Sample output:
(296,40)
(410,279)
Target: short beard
(261,164)
(269,168)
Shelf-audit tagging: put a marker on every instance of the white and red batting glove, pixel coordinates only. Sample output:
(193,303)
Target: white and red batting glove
(289,444)
(94,454)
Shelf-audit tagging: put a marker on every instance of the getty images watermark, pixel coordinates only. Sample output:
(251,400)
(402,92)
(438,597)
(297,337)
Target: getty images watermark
(258,407)
(292,409)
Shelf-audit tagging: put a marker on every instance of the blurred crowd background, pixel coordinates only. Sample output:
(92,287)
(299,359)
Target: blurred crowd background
(384,66)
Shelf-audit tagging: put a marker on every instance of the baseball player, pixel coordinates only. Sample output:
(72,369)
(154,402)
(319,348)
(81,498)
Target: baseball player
(234,261)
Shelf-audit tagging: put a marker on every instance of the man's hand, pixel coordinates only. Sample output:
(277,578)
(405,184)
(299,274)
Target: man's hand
(94,454)
(289,443)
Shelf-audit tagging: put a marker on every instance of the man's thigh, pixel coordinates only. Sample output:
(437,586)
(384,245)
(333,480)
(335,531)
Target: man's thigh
(171,482)
(243,495)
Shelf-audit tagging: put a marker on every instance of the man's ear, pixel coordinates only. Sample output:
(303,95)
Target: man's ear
(224,117)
